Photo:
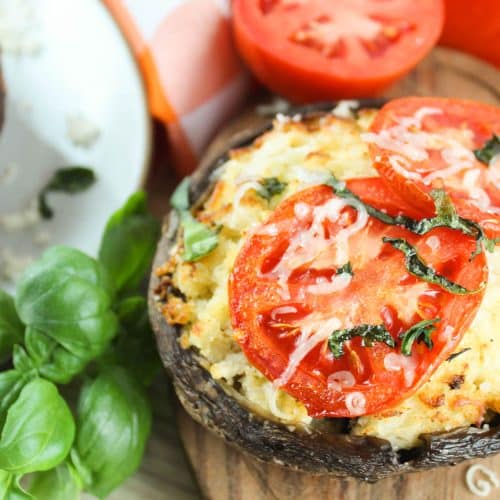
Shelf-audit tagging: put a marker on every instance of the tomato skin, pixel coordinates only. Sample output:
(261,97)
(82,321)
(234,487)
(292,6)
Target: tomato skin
(481,121)
(301,76)
(473,27)
(255,299)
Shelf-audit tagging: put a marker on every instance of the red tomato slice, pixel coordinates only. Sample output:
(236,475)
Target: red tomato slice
(419,144)
(308,50)
(286,299)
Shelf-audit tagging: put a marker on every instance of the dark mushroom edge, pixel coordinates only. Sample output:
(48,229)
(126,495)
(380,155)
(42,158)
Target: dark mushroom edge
(366,458)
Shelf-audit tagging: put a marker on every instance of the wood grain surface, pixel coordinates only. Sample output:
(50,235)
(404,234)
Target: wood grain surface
(224,473)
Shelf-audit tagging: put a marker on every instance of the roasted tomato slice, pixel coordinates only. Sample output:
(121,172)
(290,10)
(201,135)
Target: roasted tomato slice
(419,144)
(308,50)
(290,289)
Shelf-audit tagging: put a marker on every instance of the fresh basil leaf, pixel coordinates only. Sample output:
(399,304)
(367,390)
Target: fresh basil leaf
(11,384)
(135,348)
(271,186)
(114,422)
(420,332)
(129,242)
(11,327)
(61,483)
(83,473)
(67,296)
(417,267)
(52,361)
(345,269)
(65,180)
(38,431)
(5,482)
(368,333)
(199,240)
(21,361)
(11,489)
(490,149)
(180,198)
(446,216)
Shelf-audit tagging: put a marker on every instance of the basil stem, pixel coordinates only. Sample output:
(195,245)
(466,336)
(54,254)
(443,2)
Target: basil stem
(420,332)
(446,216)
(199,239)
(368,334)
(65,180)
(490,149)
(417,267)
(270,187)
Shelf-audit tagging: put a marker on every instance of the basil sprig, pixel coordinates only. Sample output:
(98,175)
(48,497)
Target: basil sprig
(446,216)
(270,187)
(81,320)
(199,240)
(490,149)
(68,180)
(420,332)
(368,333)
(417,267)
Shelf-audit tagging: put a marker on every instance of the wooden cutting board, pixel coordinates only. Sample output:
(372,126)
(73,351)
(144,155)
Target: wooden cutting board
(224,473)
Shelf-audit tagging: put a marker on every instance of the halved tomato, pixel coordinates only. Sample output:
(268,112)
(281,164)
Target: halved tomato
(291,289)
(422,143)
(473,27)
(309,50)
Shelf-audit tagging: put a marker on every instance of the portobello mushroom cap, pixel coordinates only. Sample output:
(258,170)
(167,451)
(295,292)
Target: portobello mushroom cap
(208,403)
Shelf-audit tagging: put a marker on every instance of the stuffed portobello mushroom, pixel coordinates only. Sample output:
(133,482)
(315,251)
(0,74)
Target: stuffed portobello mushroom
(326,293)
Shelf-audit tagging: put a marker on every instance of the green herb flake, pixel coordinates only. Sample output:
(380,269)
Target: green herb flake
(345,269)
(420,332)
(199,239)
(446,216)
(270,186)
(417,267)
(490,149)
(180,198)
(368,333)
(68,180)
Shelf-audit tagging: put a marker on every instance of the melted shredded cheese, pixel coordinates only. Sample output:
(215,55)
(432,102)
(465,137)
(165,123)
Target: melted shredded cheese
(407,141)
(314,330)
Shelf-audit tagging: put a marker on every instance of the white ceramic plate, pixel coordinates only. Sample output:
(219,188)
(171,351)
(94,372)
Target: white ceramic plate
(83,67)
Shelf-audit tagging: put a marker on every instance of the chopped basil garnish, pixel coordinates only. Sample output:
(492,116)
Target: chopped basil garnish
(199,240)
(490,149)
(65,180)
(420,332)
(446,216)
(180,198)
(270,187)
(368,333)
(416,266)
(345,269)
